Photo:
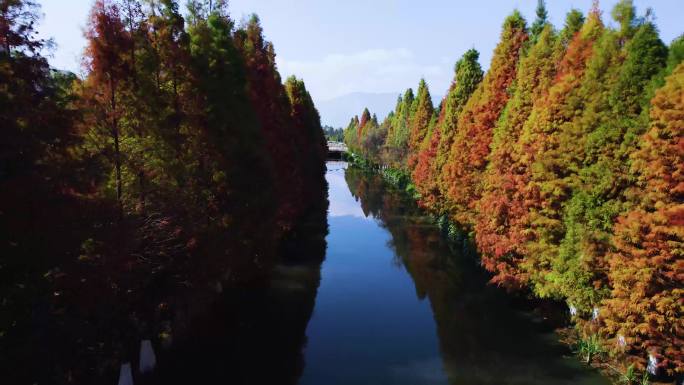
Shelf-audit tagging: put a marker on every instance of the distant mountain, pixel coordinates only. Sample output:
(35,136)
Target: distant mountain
(336,112)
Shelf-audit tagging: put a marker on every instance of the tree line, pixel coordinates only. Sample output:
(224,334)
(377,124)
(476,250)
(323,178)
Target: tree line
(333,134)
(178,156)
(565,161)
(174,114)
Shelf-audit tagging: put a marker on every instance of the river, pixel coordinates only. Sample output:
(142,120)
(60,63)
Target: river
(398,305)
(370,294)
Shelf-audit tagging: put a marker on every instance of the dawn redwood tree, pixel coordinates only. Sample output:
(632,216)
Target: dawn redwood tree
(468,156)
(350,133)
(313,146)
(559,167)
(232,162)
(646,264)
(172,43)
(148,145)
(539,143)
(467,78)
(424,175)
(109,70)
(504,246)
(365,119)
(431,159)
(398,134)
(270,101)
(674,57)
(624,63)
(420,122)
(391,132)
(498,232)
(136,103)
(374,136)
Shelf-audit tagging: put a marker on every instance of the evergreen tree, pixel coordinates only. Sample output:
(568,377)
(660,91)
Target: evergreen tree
(540,22)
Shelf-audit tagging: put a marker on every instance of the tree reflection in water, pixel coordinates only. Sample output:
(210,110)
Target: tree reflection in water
(486,336)
(233,310)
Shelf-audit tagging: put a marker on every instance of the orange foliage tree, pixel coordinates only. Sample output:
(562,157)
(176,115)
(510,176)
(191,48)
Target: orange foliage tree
(468,156)
(647,265)
(541,220)
(497,226)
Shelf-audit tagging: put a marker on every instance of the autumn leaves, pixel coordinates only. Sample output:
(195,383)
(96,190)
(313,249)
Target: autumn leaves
(549,159)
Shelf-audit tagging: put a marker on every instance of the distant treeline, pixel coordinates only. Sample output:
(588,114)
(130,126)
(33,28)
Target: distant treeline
(178,155)
(334,134)
(566,161)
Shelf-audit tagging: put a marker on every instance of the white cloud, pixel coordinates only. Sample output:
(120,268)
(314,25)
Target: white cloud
(375,70)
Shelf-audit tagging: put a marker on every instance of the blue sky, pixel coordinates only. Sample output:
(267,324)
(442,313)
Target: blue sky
(340,47)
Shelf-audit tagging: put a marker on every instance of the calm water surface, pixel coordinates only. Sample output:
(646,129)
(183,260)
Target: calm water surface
(381,299)
(396,305)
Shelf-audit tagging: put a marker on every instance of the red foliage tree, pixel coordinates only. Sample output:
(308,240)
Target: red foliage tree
(365,118)
(425,173)
(469,152)
(108,42)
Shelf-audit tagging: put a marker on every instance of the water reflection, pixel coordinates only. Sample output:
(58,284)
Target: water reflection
(397,306)
(233,311)
(252,334)
(391,304)
(341,202)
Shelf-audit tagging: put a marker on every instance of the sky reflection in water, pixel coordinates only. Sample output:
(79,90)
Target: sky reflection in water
(397,305)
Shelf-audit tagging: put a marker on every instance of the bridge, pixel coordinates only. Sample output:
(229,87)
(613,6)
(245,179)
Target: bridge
(336,150)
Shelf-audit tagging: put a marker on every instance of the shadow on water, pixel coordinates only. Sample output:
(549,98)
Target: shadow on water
(391,304)
(485,335)
(234,310)
(253,333)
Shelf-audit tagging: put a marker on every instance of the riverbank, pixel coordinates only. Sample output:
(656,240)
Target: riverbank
(399,304)
(579,335)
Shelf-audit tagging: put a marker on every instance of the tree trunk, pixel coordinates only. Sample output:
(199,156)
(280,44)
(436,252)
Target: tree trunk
(117,150)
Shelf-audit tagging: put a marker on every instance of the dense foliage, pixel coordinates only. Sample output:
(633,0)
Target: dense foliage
(179,156)
(550,161)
